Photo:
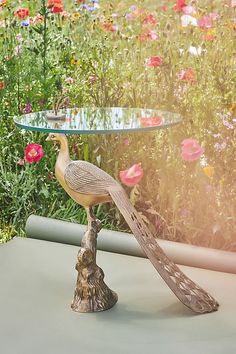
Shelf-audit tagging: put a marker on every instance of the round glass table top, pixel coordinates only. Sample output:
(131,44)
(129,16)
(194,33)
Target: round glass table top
(97,120)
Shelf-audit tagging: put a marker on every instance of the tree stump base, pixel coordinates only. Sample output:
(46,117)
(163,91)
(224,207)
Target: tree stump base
(91,292)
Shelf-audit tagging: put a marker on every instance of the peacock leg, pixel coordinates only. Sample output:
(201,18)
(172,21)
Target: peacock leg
(91,293)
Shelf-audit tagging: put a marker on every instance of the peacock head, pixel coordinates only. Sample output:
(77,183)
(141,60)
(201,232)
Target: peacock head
(55,137)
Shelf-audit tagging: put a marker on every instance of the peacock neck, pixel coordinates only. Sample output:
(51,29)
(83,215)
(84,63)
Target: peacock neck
(64,149)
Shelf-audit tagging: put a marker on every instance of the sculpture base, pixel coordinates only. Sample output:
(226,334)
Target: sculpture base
(91,293)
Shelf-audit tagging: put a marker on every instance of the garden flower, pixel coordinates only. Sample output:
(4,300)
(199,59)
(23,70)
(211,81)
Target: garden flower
(153,61)
(55,6)
(133,8)
(227,124)
(164,8)
(209,171)
(214,16)
(189,10)
(19,38)
(150,19)
(37,19)
(187,75)
(179,5)
(188,20)
(151,121)
(132,175)
(69,80)
(126,141)
(76,15)
(3,3)
(21,161)
(109,27)
(219,147)
(205,22)
(33,153)
(25,23)
(75,61)
(191,150)
(22,13)
(196,51)
(2,84)
(92,79)
(27,108)
(209,35)
(150,35)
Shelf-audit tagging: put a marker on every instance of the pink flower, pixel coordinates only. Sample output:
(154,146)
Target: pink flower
(188,10)
(153,61)
(205,22)
(187,75)
(69,80)
(92,79)
(191,150)
(131,176)
(126,141)
(151,35)
(214,16)
(21,161)
(33,153)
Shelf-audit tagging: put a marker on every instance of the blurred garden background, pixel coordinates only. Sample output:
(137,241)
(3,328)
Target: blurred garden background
(176,56)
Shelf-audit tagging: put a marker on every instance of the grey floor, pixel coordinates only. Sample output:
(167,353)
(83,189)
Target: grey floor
(37,280)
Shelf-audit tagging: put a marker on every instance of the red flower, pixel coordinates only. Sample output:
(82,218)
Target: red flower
(179,5)
(22,13)
(2,85)
(164,8)
(109,27)
(154,61)
(151,121)
(150,19)
(33,153)
(132,176)
(191,150)
(209,37)
(56,6)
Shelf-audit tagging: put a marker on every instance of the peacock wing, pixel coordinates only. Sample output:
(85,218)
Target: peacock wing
(86,178)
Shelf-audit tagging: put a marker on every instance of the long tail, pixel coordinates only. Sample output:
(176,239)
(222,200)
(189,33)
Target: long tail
(184,288)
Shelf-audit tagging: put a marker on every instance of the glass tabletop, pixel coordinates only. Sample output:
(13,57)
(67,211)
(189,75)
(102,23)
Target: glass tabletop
(97,120)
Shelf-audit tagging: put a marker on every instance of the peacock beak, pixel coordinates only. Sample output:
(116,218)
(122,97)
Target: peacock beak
(48,138)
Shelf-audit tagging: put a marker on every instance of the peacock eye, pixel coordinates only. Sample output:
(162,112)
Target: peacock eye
(53,136)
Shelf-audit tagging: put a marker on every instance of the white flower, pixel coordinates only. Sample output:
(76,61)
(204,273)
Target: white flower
(196,51)
(188,20)
(203,161)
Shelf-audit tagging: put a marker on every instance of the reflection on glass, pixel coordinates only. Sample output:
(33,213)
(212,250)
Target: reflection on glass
(99,120)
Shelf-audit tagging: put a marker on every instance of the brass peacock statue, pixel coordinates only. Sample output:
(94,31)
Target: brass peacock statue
(88,185)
